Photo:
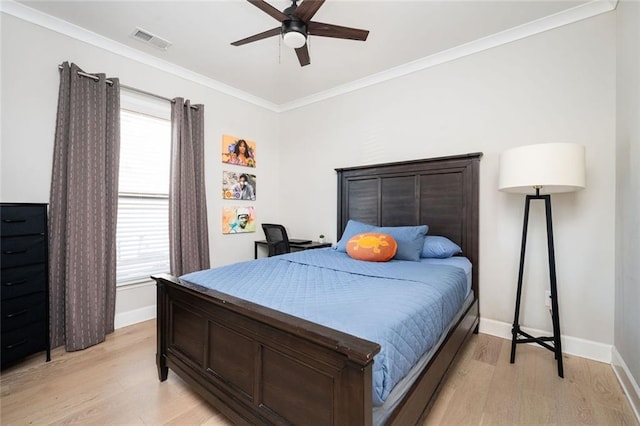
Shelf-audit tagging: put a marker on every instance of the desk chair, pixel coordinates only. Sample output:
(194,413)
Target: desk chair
(277,240)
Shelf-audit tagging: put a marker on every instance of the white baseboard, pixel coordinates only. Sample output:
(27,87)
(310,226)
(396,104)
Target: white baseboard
(135,316)
(628,383)
(570,345)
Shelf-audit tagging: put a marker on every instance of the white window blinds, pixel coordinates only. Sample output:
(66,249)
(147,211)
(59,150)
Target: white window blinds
(142,234)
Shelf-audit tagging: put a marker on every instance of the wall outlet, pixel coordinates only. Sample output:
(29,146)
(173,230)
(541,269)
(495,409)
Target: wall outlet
(547,298)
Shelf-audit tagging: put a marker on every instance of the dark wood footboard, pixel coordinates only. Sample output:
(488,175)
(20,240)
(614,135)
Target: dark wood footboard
(260,366)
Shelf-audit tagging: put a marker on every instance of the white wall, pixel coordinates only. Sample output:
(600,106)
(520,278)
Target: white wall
(558,86)
(627,293)
(29,90)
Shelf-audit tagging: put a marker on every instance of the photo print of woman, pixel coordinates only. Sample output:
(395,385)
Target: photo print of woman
(238,186)
(241,152)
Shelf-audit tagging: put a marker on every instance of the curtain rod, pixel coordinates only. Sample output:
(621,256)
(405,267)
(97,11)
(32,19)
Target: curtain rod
(110,83)
(133,89)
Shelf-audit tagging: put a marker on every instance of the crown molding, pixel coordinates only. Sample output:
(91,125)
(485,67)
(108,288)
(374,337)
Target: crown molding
(566,17)
(42,19)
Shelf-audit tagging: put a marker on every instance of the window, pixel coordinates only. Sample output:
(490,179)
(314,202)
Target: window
(142,234)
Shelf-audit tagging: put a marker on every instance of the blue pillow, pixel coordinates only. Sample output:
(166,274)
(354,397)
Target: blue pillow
(410,240)
(439,247)
(352,229)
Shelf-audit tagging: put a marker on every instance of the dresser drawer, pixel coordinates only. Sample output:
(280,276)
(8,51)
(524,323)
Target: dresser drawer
(23,280)
(24,219)
(22,311)
(19,343)
(18,251)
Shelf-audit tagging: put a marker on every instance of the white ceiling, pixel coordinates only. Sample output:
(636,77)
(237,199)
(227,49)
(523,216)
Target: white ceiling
(401,32)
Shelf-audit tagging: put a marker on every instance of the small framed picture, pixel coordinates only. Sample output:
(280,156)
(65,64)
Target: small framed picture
(238,151)
(238,219)
(238,186)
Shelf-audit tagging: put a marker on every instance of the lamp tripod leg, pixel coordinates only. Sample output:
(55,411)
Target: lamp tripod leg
(555,314)
(515,330)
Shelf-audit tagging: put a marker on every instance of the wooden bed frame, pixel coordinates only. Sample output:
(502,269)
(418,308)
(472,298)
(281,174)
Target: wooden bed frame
(261,366)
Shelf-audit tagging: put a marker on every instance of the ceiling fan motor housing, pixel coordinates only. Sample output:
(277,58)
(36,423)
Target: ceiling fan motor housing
(294,33)
(294,24)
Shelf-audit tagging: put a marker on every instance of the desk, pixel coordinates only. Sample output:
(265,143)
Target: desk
(294,247)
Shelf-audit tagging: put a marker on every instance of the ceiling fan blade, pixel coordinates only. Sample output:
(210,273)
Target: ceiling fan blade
(256,37)
(307,9)
(269,10)
(336,31)
(303,55)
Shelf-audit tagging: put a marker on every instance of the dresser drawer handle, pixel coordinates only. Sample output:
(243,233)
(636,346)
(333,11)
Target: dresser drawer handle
(20,343)
(14,220)
(17,314)
(13,251)
(11,284)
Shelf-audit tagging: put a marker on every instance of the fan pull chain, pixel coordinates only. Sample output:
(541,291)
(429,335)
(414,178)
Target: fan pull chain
(279,50)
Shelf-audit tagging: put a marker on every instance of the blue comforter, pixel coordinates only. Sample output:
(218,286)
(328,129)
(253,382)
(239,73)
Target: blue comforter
(403,306)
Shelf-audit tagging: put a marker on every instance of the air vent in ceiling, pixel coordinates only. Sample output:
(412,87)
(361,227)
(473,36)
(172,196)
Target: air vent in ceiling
(152,39)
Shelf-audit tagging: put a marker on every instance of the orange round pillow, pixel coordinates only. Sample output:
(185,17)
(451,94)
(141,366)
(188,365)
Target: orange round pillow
(372,247)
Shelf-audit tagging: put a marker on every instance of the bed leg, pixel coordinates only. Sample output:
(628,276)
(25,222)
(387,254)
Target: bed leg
(476,330)
(163,370)
(161,362)
(163,373)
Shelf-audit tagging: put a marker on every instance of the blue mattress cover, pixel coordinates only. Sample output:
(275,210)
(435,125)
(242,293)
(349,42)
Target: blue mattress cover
(403,306)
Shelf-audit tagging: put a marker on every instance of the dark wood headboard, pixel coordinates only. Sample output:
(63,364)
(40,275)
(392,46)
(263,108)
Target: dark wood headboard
(439,192)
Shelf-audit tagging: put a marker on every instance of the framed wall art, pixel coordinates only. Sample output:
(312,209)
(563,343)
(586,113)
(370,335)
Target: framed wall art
(238,219)
(238,151)
(238,186)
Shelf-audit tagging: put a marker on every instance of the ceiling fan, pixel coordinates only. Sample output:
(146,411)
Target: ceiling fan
(296,26)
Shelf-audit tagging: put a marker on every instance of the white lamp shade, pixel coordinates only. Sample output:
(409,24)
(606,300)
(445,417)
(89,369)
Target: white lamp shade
(552,167)
(294,39)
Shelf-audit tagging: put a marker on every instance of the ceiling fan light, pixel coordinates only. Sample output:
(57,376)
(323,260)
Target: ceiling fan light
(294,39)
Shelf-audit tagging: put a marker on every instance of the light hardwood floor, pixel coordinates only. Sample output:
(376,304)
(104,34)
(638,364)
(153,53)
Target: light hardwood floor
(116,383)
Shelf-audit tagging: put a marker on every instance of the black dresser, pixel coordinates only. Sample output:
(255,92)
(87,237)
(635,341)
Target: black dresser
(25,281)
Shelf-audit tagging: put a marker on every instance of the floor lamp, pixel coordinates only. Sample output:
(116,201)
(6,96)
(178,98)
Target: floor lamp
(548,168)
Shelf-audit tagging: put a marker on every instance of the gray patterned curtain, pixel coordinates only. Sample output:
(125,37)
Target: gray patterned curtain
(83,210)
(188,230)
